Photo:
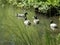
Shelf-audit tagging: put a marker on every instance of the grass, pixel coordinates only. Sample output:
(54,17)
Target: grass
(14,32)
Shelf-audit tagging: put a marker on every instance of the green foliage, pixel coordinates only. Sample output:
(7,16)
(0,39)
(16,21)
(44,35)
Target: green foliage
(53,2)
(41,4)
(44,7)
(30,3)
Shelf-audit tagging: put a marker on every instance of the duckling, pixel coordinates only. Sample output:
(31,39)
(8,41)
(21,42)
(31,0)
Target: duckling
(36,20)
(27,22)
(22,15)
(53,26)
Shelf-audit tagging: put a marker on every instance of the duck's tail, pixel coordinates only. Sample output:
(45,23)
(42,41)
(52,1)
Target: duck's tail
(29,23)
(55,27)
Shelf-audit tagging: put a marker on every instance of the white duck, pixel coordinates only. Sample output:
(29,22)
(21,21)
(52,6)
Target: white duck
(53,26)
(27,22)
(36,20)
(22,15)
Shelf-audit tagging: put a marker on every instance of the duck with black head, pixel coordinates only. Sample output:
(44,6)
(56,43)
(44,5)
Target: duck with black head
(36,20)
(53,25)
(27,22)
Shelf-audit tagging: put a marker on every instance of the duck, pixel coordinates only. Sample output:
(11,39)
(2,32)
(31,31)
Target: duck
(22,15)
(53,25)
(27,22)
(36,20)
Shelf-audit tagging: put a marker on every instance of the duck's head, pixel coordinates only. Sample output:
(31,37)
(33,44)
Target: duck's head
(25,13)
(51,21)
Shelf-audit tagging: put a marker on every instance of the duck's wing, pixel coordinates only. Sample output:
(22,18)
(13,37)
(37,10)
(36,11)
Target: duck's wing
(55,25)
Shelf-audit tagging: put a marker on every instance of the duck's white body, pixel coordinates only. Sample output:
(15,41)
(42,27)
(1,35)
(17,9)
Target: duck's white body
(20,15)
(53,25)
(36,21)
(26,22)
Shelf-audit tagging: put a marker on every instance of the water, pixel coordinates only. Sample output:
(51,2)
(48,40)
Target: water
(13,29)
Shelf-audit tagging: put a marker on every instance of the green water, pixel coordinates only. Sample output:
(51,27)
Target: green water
(14,32)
